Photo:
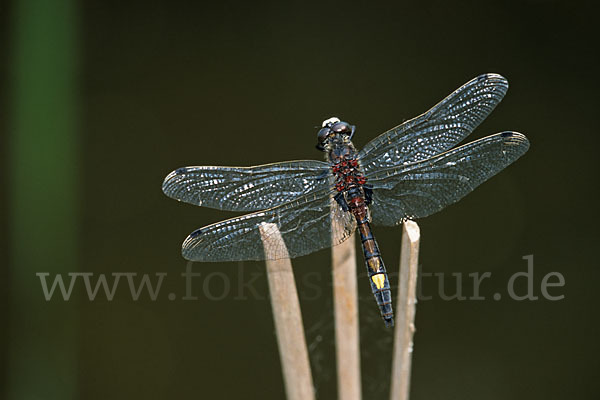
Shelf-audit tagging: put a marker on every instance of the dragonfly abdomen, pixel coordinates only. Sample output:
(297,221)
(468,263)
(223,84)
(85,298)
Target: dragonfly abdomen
(380,284)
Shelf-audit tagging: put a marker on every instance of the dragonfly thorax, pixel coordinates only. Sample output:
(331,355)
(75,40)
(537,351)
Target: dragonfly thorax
(347,173)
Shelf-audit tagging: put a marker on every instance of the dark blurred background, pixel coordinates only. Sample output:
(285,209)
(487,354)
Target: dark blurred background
(101,99)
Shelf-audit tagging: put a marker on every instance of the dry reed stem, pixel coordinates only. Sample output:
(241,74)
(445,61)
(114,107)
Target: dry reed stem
(405,328)
(288,319)
(346,320)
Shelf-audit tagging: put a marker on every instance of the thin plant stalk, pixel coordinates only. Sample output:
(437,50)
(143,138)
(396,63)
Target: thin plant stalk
(406,308)
(345,301)
(288,319)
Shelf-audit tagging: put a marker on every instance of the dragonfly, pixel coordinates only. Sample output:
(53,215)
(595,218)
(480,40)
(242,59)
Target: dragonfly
(411,171)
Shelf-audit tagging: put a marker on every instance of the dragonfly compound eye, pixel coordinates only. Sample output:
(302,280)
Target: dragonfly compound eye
(343,128)
(323,135)
(340,127)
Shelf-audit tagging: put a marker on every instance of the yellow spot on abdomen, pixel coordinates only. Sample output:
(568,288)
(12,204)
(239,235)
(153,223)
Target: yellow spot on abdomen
(378,280)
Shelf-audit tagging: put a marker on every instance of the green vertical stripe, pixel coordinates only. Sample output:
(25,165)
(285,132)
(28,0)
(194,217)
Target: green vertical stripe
(44,169)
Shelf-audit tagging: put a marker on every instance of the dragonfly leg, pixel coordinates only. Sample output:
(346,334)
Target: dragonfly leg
(368,189)
(341,201)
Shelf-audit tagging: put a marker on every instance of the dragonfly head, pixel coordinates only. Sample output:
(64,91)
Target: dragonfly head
(334,129)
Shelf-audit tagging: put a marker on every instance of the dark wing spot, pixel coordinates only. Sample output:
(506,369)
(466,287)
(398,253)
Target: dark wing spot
(197,233)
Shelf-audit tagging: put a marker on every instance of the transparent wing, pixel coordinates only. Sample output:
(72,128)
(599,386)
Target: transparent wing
(439,129)
(307,224)
(425,187)
(247,188)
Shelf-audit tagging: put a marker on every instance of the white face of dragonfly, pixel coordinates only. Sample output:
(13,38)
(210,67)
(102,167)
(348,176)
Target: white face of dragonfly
(330,121)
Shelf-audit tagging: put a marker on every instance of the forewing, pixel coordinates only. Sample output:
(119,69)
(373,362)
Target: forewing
(247,188)
(439,129)
(425,187)
(307,224)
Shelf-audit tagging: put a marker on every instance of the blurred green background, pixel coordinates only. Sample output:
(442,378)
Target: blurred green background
(101,99)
